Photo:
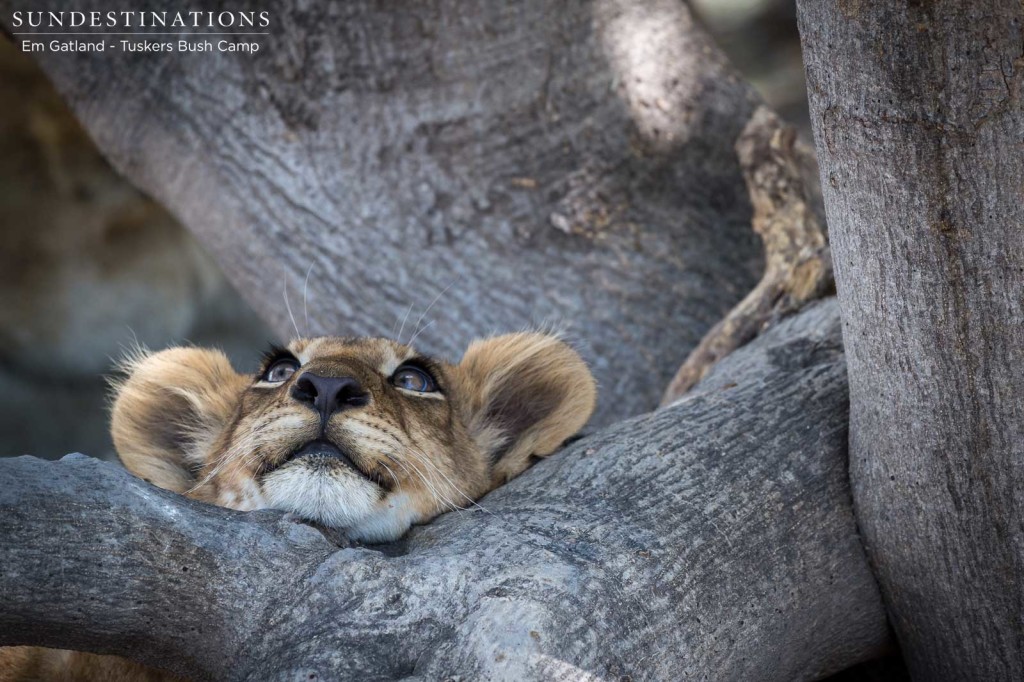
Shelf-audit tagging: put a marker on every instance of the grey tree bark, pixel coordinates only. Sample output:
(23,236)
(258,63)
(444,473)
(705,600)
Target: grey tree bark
(713,539)
(568,164)
(919,123)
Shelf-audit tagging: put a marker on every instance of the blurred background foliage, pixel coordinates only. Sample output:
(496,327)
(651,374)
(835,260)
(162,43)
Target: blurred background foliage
(90,267)
(761,39)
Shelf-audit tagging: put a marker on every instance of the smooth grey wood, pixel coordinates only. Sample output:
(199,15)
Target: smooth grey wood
(919,125)
(526,163)
(713,539)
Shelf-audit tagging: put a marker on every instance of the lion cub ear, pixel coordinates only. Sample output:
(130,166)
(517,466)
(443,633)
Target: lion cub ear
(169,409)
(528,393)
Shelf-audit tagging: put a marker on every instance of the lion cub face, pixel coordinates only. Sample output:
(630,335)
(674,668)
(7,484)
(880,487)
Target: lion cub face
(363,434)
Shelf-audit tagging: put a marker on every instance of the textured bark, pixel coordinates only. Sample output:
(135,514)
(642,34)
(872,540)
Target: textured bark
(529,162)
(918,111)
(798,263)
(714,538)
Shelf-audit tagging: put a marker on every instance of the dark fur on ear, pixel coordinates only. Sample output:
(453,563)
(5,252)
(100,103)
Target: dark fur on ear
(168,410)
(526,393)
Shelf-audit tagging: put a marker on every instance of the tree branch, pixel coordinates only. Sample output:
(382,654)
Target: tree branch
(798,262)
(715,537)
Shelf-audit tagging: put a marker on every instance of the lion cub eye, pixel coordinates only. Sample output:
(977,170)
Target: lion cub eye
(413,379)
(280,370)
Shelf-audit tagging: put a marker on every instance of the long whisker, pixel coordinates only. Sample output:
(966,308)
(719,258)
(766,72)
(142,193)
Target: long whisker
(418,331)
(429,307)
(398,484)
(433,488)
(413,454)
(218,464)
(423,459)
(305,290)
(416,473)
(288,305)
(426,460)
(430,486)
(404,319)
(244,449)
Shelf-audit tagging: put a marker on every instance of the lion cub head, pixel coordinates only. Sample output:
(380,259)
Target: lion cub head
(363,434)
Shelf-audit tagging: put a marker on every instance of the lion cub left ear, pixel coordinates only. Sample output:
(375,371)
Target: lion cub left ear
(528,393)
(168,410)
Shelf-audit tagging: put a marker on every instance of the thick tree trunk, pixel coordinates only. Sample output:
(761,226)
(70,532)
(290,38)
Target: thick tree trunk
(711,539)
(919,121)
(527,162)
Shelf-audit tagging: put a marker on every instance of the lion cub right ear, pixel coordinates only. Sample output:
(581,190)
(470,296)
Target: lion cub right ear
(526,394)
(169,409)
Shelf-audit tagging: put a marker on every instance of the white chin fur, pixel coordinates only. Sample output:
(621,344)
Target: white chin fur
(391,518)
(333,498)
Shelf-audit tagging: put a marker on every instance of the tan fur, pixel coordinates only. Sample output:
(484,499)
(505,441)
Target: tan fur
(180,393)
(186,421)
(34,664)
(508,378)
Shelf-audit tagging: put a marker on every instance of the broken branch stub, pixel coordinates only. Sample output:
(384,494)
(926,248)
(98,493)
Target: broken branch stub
(798,264)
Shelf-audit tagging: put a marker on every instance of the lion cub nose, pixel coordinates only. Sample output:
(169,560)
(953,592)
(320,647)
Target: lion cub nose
(328,395)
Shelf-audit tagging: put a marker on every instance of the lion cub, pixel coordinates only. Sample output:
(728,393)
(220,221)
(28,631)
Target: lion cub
(361,434)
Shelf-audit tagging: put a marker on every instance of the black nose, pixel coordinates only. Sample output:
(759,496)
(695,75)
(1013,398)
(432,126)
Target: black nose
(328,395)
